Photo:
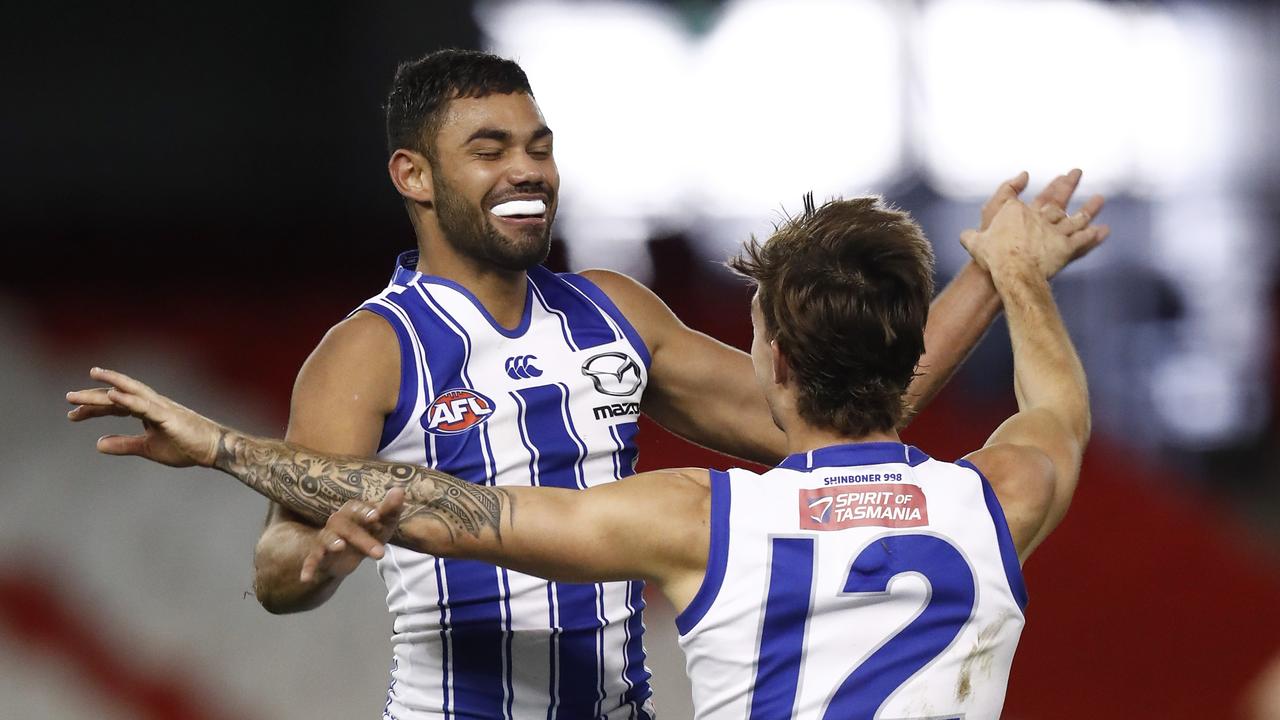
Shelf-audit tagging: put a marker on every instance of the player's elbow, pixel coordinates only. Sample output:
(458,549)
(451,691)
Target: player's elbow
(276,584)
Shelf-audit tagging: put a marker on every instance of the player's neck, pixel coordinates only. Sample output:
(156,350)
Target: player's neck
(804,437)
(501,292)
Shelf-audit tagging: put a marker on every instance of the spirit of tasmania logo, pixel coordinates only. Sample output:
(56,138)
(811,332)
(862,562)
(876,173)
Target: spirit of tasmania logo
(877,505)
(454,411)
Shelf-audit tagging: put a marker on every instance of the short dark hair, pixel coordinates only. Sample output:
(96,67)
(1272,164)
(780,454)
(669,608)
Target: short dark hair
(423,88)
(845,290)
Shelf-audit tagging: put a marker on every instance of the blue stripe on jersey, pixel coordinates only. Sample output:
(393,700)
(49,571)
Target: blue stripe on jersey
(399,417)
(1008,553)
(559,454)
(443,605)
(634,674)
(405,274)
(786,614)
(717,555)
(637,675)
(627,454)
(586,324)
(476,631)
(598,296)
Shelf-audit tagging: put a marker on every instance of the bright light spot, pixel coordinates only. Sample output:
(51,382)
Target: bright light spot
(602,74)
(793,97)
(1011,85)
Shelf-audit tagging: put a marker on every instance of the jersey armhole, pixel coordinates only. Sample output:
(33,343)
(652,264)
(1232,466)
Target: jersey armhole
(601,299)
(1008,555)
(395,423)
(717,555)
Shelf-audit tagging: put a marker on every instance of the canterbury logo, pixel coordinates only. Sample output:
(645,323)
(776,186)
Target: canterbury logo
(521,367)
(613,373)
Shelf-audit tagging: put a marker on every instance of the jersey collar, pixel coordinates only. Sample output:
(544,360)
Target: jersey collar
(870,453)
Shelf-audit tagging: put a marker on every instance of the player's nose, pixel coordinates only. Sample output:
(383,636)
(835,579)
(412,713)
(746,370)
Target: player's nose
(525,169)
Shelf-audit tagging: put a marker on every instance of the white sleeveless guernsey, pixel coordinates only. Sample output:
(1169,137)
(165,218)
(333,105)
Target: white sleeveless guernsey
(855,582)
(554,403)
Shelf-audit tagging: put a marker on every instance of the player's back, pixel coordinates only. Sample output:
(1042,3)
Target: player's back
(855,581)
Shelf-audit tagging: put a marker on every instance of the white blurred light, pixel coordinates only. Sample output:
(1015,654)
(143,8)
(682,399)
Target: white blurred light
(796,96)
(1017,85)
(603,76)
(653,124)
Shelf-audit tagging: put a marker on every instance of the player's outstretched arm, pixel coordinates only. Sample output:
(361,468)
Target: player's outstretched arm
(961,314)
(653,526)
(1033,458)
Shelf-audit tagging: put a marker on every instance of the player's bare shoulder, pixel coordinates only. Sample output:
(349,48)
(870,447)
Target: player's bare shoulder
(354,369)
(642,308)
(1023,480)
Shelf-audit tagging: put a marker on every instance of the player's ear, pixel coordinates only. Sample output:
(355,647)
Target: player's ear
(411,174)
(781,370)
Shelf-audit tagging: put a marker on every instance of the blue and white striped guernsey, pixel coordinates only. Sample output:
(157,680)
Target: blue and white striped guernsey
(553,402)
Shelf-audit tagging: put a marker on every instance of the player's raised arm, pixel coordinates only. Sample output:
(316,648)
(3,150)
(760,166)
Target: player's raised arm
(1033,458)
(705,391)
(961,314)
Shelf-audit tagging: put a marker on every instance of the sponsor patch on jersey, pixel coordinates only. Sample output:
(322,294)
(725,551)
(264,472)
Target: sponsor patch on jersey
(875,505)
(455,411)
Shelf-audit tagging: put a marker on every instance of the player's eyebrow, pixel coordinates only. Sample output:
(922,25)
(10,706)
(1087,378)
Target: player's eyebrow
(504,136)
(497,134)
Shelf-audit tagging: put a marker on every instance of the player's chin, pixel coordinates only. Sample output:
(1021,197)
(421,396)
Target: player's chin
(524,250)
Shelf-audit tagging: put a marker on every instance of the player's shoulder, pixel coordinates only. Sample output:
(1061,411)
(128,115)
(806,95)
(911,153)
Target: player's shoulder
(638,304)
(630,295)
(361,331)
(361,351)
(1023,479)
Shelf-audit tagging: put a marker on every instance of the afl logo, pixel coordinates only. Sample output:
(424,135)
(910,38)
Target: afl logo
(455,411)
(613,373)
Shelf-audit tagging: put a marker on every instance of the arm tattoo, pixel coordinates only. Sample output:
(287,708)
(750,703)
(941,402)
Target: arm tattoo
(315,485)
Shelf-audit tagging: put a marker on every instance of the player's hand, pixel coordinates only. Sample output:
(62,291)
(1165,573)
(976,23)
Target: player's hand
(1053,200)
(171,434)
(356,531)
(1024,240)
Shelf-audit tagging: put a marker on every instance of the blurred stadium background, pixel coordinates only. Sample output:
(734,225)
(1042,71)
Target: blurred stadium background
(194,193)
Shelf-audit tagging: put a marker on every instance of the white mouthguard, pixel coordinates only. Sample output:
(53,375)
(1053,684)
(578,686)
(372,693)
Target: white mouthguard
(519,207)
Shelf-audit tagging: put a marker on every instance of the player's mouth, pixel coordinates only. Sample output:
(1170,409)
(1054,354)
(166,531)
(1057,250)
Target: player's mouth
(522,211)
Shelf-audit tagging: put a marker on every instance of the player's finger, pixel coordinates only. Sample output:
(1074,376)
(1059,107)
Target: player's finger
(1053,213)
(317,559)
(91,396)
(86,412)
(1007,190)
(1093,205)
(1076,222)
(122,444)
(391,505)
(1088,239)
(1059,190)
(358,536)
(139,406)
(120,380)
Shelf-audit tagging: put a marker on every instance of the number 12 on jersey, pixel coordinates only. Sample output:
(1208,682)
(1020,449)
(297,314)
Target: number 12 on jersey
(789,604)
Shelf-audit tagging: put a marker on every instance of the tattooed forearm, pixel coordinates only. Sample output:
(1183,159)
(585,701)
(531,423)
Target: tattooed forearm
(315,485)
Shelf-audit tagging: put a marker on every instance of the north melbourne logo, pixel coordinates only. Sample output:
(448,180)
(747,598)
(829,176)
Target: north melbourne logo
(613,373)
(455,411)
